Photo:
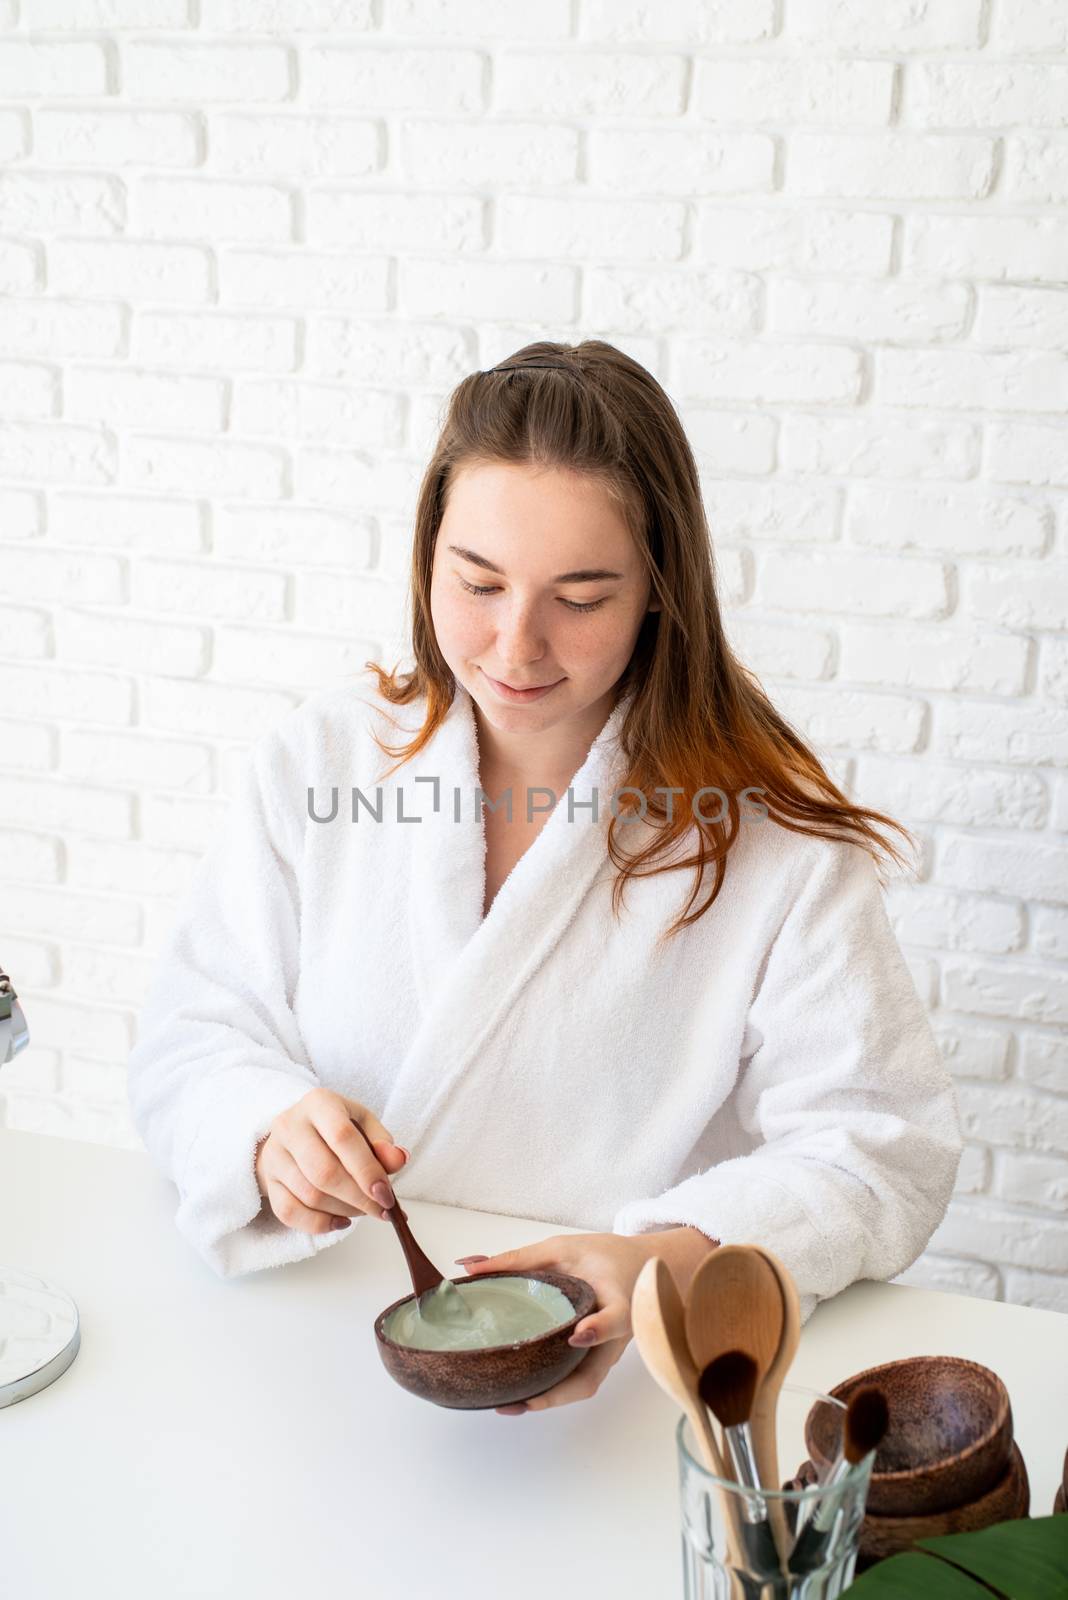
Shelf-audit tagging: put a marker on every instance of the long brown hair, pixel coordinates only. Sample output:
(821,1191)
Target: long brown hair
(699,718)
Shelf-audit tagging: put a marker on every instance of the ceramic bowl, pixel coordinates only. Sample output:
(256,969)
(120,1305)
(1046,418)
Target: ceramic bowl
(949,1437)
(1009,1498)
(499,1375)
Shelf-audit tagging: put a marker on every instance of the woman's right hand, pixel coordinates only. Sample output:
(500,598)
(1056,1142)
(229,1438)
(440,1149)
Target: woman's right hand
(316,1171)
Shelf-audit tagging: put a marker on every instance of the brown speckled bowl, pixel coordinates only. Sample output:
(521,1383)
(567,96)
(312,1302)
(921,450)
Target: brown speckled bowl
(1007,1499)
(949,1437)
(500,1374)
(880,1537)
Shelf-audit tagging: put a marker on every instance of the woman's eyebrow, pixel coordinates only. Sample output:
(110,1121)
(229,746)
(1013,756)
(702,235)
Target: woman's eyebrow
(583,575)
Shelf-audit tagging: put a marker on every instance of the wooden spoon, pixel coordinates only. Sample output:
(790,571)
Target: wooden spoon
(658,1322)
(762,1422)
(657,1318)
(735,1303)
(424,1274)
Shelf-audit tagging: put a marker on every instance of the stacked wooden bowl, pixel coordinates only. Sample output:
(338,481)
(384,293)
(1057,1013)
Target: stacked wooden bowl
(948,1462)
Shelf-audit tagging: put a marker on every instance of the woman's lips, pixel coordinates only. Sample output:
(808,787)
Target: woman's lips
(507,693)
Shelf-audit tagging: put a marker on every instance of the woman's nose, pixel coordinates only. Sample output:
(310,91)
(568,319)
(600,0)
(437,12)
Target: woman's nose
(520,636)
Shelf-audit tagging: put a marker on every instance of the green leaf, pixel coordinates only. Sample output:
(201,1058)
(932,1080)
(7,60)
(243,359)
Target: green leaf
(1026,1559)
(909,1576)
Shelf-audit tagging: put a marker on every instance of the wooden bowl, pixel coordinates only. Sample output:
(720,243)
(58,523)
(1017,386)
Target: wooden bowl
(500,1374)
(1009,1498)
(949,1437)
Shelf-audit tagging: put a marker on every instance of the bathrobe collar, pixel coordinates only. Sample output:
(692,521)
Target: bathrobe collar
(469,969)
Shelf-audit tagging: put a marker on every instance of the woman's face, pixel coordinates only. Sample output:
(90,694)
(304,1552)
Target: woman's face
(529,626)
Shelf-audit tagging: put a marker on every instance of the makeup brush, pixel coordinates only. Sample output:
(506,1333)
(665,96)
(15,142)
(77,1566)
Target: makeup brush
(727,1386)
(866,1421)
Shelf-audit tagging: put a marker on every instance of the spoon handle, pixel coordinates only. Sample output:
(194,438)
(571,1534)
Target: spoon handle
(424,1273)
(741,1586)
(763,1419)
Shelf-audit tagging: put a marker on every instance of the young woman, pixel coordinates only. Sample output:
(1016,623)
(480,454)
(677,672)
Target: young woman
(657,996)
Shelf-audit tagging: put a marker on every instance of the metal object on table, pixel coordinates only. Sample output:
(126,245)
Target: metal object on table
(14,1034)
(39,1329)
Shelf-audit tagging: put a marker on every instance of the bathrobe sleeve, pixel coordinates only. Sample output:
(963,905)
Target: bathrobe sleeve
(219,1054)
(842,1080)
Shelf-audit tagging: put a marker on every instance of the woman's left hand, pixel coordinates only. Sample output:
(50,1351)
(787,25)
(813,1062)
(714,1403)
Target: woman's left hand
(610,1264)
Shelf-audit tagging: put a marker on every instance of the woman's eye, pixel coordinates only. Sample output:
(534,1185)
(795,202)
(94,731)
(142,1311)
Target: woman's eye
(572,605)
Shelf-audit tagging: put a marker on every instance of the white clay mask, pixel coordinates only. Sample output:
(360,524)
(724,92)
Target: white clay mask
(496,1311)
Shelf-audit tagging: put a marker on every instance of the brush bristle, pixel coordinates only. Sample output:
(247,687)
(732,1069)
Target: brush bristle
(867,1420)
(728,1386)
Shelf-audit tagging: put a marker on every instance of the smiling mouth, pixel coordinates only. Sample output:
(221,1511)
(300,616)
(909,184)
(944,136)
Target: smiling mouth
(523,688)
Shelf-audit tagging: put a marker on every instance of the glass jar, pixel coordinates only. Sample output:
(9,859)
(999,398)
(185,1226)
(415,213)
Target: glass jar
(728,1533)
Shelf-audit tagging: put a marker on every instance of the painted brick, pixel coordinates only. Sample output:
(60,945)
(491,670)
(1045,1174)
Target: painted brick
(902,29)
(947,658)
(115,138)
(812,92)
(53,802)
(457,154)
(138,644)
(26,745)
(840,581)
(1044,1062)
(304,280)
(879,446)
(42,203)
(580,83)
(957,521)
(331,414)
(126,522)
(744,369)
(291,536)
(248,71)
(1018,992)
(1004,866)
(393,80)
(973,1052)
(674,21)
(1025,735)
(893,166)
(1036,169)
(988,94)
(929,916)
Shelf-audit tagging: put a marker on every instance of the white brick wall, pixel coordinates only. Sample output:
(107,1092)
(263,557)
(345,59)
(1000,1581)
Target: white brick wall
(248,246)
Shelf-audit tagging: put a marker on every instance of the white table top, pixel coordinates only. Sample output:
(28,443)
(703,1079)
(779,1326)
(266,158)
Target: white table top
(242,1438)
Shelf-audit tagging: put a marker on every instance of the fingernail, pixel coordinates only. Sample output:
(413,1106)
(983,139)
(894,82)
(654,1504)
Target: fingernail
(383,1194)
(341,1222)
(584,1336)
(407,1154)
(466,1261)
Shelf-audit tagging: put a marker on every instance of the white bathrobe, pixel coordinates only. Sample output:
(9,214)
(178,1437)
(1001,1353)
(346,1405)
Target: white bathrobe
(769,1075)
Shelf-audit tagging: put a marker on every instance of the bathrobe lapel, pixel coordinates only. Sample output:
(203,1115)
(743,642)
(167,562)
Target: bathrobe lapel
(469,970)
